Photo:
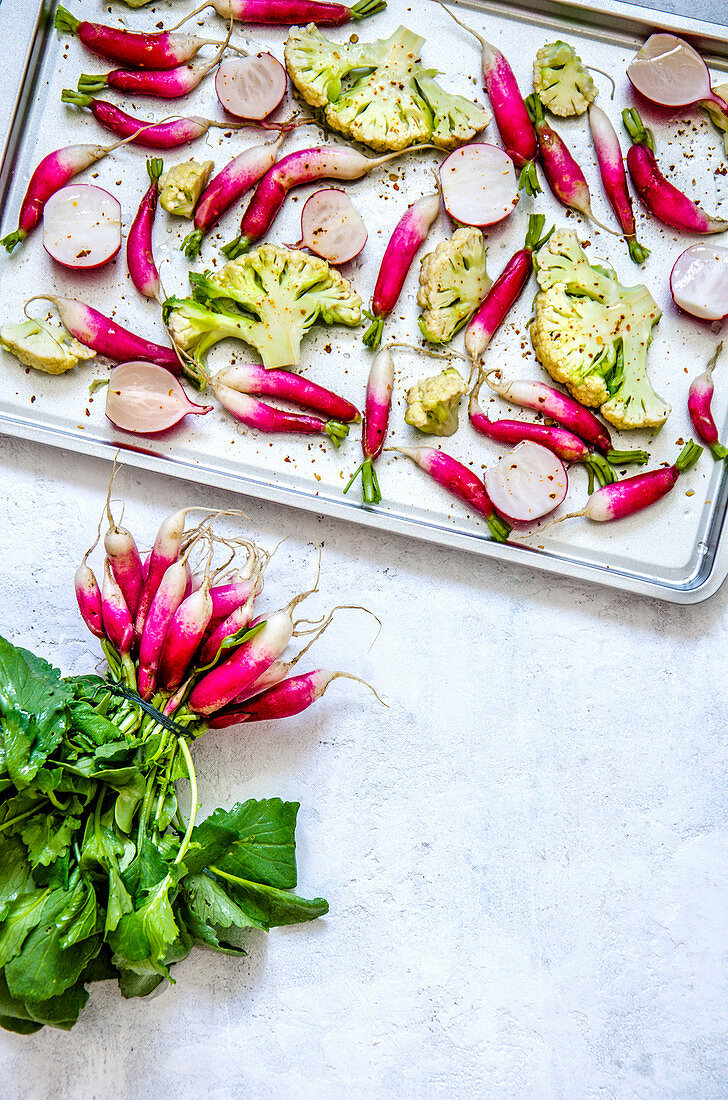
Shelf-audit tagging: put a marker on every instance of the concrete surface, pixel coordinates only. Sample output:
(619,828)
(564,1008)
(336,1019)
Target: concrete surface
(526,855)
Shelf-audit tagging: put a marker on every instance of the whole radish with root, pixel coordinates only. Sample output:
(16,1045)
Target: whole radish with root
(374,428)
(178,130)
(460,482)
(139,254)
(409,233)
(614,179)
(284,700)
(253,379)
(290,12)
(658,195)
(162,84)
(505,290)
(700,398)
(511,117)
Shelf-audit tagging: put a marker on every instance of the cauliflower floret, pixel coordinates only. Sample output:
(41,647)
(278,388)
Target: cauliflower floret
(45,347)
(377,92)
(432,404)
(453,282)
(592,334)
(561,81)
(181,186)
(269,298)
(717,117)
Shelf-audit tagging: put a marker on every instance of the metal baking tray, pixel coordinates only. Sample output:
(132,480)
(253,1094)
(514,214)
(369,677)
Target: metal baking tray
(674,551)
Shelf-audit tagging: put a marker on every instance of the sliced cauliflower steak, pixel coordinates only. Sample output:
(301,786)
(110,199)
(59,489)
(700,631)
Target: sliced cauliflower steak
(592,334)
(378,93)
(561,81)
(453,283)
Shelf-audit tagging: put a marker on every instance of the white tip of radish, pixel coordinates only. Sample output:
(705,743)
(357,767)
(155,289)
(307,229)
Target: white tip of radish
(528,483)
(479,185)
(699,282)
(146,398)
(670,72)
(250,87)
(332,227)
(82,226)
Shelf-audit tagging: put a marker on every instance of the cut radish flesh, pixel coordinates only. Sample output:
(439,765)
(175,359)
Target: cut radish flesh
(82,226)
(670,72)
(479,185)
(699,282)
(332,227)
(250,87)
(146,398)
(528,483)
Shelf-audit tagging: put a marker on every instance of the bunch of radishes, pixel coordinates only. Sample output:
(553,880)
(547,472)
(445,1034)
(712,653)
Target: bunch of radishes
(192,643)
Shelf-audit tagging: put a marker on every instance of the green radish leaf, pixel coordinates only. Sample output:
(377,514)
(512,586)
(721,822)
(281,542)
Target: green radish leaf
(48,836)
(209,901)
(33,711)
(146,871)
(137,985)
(127,801)
(264,849)
(44,967)
(20,1027)
(85,920)
(61,1011)
(21,917)
(271,908)
(93,725)
(119,902)
(142,938)
(15,876)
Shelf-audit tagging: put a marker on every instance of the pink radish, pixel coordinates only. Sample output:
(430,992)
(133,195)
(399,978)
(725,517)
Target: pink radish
(226,188)
(461,482)
(238,620)
(164,83)
(163,554)
(561,441)
(139,256)
(376,421)
(158,50)
(509,111)
(183,636)
(303,166)
(700,397)
(659,196)
(283,700)
(528,483)
(167,598)
(564,410)
(505,290)
(291,12)
(82,226)
(699,282)
(565,177)
(632,494)
(115,614)
(409,233)
(255,379)
(53,173)
(614,179)
(107,338)
(668,71)
(227,598)
(220,686)
(250,87)
(88,597)
(144,398)
(478,185)
(256,414)
(161,135)
(125,563)
(332,227)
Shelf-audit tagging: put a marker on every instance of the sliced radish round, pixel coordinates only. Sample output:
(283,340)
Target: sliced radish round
(670,72)
(332,227)
(250,87)
(82,226)
(479,185)
(699,281)
(528,483)
(146,398)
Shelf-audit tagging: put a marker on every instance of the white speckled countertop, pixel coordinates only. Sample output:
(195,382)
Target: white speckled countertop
(526,856)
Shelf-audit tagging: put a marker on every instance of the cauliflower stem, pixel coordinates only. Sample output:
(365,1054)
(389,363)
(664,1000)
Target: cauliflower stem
(592,334)
(269,298)
(378,93)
